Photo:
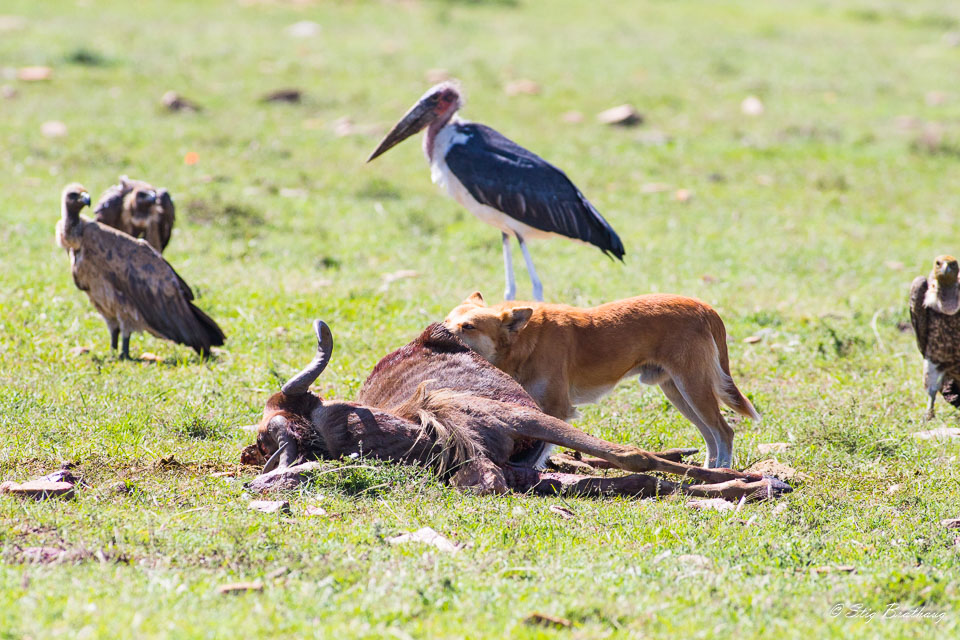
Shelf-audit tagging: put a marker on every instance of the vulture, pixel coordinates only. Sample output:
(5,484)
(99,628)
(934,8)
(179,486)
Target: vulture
(934,302)
(138,209)
(129,282)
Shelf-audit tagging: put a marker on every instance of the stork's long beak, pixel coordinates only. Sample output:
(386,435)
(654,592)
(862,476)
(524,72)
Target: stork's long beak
(414,121)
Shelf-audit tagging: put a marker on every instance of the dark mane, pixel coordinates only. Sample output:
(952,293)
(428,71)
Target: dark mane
(438,355)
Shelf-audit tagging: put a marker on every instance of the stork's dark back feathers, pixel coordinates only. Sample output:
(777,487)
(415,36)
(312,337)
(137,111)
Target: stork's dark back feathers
(501,174)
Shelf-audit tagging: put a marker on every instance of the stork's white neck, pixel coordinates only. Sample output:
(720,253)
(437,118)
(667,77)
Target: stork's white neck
(432,137)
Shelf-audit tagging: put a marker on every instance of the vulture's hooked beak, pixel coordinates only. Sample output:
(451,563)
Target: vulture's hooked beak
(947,270)
(414,121)
(85,199)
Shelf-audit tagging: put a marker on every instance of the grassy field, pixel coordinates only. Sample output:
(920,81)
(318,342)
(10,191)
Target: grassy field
(804,226)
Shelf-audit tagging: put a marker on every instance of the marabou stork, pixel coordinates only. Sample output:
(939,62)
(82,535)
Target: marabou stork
(499,181)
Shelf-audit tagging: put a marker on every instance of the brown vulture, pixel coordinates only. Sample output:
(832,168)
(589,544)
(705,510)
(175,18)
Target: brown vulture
(934,302)
(138,209)
(129,282)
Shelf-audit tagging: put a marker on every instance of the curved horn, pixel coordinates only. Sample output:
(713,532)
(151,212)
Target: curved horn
(298,384)
(285,455)
(274,460)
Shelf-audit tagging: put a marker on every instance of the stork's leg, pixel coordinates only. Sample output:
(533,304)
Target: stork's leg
(511,291)
(933,381)
(537,287)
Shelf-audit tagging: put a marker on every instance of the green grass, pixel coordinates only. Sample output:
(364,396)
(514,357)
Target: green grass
(807,223)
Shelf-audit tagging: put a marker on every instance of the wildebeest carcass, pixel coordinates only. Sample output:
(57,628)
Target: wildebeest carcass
(435,402)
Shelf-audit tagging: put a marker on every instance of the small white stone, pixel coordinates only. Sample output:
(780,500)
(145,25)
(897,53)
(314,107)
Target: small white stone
(752,106)
(303,29)
(53,129)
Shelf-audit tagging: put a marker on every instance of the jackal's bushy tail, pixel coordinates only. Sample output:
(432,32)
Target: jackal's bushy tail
(724,386)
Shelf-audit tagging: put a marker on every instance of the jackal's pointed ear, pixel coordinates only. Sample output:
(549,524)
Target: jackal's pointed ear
(516,318)
(475,298)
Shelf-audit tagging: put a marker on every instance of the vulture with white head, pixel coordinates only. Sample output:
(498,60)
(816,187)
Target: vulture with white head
(934,306)
(129,282)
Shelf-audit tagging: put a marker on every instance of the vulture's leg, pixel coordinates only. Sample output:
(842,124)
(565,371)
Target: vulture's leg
(125,354)
(537,286)
(933,381)
(643,486)
(523,422)
(511,291)
(114,338)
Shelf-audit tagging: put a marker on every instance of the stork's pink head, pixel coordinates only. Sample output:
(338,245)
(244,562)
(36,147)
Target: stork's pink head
(445,98)
(436,106)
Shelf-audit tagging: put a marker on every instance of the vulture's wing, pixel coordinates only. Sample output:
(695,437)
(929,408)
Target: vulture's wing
(919,313)
(951,390)
(110,206)
(501,174)
(167,216)
(148,286)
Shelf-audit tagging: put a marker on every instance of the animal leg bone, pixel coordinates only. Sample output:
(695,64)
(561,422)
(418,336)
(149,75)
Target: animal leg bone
(642,486)
(526,423)
(674,455)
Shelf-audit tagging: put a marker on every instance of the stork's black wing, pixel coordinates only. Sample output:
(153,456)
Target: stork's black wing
(501,174)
